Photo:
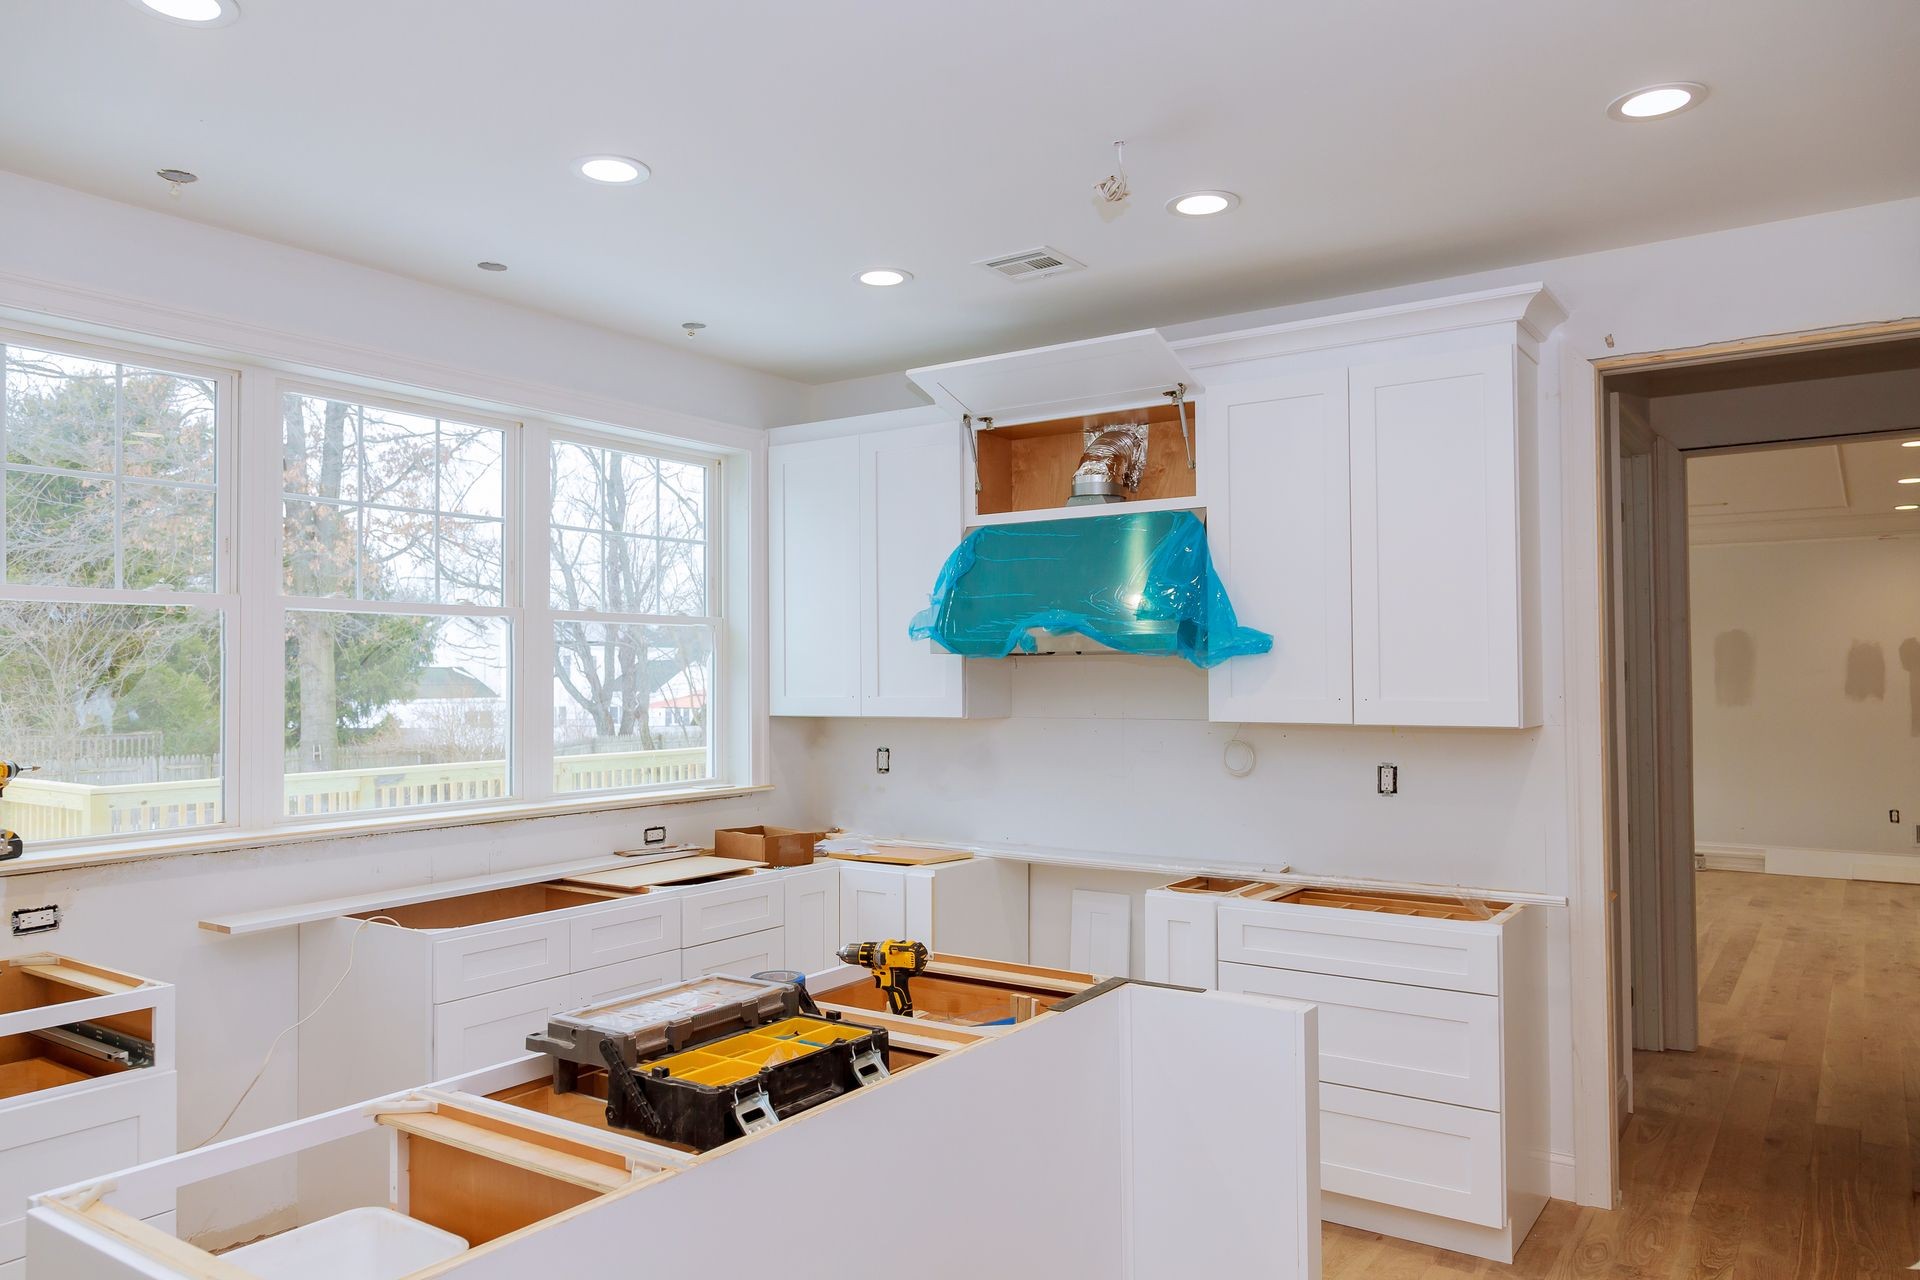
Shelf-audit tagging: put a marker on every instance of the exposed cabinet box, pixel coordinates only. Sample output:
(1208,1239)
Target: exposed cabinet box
(67,1113)
(859,528)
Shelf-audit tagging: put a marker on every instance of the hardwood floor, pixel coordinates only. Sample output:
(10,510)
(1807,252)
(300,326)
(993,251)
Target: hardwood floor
(1788,1144)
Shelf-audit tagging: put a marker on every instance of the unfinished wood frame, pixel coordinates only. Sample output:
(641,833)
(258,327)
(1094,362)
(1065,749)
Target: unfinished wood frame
(1029,467)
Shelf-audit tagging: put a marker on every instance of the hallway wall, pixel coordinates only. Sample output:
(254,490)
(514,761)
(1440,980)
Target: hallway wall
(1806,688)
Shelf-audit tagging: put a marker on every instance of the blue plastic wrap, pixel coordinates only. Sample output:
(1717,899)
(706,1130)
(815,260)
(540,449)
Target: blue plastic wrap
(1138,583)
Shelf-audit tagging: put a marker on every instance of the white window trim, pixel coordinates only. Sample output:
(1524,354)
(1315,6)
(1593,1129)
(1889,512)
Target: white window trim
(720,762)
(225,598)
(248,587)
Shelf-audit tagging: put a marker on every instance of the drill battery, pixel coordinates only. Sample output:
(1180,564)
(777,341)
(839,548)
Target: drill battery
(700,1063)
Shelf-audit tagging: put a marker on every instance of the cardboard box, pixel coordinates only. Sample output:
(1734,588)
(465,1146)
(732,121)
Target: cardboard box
(775,846)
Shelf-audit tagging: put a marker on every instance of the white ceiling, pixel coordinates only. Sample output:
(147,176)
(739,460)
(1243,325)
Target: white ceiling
(1847,489)
(1374,142)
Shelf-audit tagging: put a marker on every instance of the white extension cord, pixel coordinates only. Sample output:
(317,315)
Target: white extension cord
(353,945)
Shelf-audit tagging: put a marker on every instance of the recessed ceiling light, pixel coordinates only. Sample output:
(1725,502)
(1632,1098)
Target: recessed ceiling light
(884,277)
(491,266)
(692,327)
(1657,100)
(1203,204)
(614,171)
(191,13)
(178,177)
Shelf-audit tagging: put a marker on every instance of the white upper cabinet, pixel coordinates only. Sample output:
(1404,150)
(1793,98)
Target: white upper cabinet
(1437,590)
(909,524)
(1278,530)
(813,569)
(1371,502)
(860,526)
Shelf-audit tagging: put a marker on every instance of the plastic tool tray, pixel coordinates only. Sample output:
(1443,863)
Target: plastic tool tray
(701,1063)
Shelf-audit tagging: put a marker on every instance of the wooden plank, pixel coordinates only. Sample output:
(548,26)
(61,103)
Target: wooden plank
(507,1149)
(1012,976)
(83,977)
(189,1261)
(905,856)
(679,871)
(327,908)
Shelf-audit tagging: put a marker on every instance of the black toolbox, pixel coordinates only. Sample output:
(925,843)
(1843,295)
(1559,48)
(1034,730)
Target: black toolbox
(701,1063)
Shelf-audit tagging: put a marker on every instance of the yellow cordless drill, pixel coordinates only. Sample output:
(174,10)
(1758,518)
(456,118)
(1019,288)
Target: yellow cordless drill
(11,846)
(893,962)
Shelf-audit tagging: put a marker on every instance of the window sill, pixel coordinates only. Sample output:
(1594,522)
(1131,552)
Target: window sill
(223,839)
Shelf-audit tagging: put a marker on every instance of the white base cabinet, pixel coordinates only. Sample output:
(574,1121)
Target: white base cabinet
(1432,1047)
(454,984)
(977,907)
(64,1116)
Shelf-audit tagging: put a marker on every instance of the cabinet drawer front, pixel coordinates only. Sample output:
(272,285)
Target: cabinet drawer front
(83,1131)
(482,1030)
(748,906)
(646,926)
(1419,1155)
(472,964)
(611,981)
(1443,1046)
(737,956)
(1356,944)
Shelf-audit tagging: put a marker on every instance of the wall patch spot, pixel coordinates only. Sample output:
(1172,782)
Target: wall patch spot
(1910,662)
(1734,659)
(1866,671)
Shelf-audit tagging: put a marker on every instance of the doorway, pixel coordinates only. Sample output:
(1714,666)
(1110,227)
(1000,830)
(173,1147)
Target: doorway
(1747,420)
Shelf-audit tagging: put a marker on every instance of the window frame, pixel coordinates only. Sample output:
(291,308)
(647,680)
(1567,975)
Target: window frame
(251,602)
(224,601)
(714,620)
(512,584)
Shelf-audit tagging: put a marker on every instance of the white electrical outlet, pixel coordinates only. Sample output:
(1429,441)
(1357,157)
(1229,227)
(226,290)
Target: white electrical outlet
(35,920)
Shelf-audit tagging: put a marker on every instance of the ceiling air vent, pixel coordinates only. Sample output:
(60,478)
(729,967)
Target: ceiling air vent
(1034,264)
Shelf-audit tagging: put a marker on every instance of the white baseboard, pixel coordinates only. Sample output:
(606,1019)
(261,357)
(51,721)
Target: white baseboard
(1832,864)
(1560,1175)
(1728,857)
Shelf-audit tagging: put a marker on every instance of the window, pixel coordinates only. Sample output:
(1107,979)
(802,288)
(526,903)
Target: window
(634,627)
(113,609)
(408,703)
(372,606)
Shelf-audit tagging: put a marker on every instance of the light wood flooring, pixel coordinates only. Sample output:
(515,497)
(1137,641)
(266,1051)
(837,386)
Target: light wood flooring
(1788,1144)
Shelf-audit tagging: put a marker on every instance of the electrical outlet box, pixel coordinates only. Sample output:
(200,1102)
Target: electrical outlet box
(1389,779)
(883,760)
(35,920)
(654,835)
(1893,816)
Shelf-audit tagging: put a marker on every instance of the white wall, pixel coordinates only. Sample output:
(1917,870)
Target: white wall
(117,265)
(1806,695)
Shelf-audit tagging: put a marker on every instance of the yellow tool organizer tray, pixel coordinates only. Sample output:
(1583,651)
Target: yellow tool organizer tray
(736,1057)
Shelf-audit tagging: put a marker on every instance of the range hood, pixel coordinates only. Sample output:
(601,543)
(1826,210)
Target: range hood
(1139,583)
